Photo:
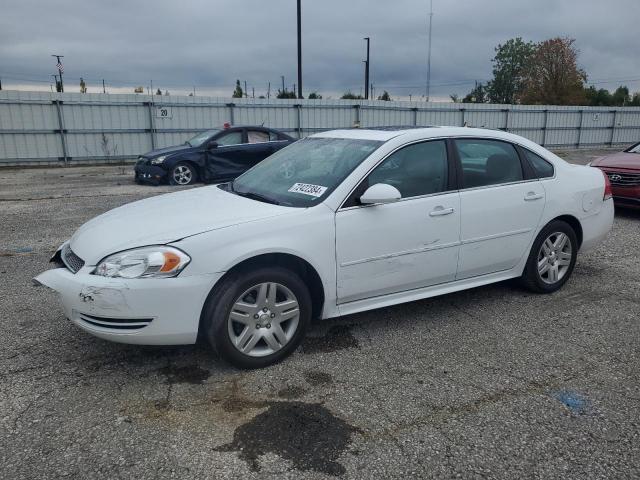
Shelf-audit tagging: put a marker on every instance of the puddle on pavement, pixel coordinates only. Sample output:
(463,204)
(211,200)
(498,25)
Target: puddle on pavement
(338,337)
(307,434)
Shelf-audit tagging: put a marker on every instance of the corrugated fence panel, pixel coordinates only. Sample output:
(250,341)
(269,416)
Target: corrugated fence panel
(49,127)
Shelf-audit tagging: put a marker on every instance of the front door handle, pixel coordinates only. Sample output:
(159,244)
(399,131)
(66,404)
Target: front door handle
(533,196)
(440,210)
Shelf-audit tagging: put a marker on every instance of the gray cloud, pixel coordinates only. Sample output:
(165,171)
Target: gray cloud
(210,44)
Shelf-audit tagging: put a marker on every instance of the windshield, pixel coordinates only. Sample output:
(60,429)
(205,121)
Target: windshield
(201,138)
(305,172)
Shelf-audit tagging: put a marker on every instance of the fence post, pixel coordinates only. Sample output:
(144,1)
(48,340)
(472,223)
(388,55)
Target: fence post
(298,107)
(613,127)
(544,127)
(61,129)
(357,120)
(506,119)
(231,117)
(151,124)
(415,116)
(463,122)
(580,128)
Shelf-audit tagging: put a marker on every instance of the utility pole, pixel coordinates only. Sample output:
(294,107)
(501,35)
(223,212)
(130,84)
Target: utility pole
(294,89)
(282,76)
(429,54)
(104,90)
(299,50)
(269,90)
(245,90)
(194,91)
(60,70)
(253,92)
(366,71)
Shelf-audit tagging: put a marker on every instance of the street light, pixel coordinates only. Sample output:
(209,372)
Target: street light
(299,49)
(366,71)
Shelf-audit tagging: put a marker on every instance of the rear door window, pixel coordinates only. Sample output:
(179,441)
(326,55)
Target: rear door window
(488,162)
(541,167)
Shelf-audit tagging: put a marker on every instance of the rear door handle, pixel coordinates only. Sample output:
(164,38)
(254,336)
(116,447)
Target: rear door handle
(440,210)
(533,196)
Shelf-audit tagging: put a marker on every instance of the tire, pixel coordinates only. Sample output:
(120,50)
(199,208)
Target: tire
(553,250)
(229,321)
(183,173)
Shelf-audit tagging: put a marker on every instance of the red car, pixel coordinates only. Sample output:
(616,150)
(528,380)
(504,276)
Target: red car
(623,170)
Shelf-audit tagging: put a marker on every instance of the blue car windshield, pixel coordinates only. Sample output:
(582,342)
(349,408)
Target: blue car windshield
(305,172)
(202,137)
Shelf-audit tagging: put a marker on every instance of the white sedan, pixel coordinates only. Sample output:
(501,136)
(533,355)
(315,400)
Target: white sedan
(340,222)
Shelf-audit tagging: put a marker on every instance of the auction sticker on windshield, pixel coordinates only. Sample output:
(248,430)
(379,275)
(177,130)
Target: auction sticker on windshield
(308,189)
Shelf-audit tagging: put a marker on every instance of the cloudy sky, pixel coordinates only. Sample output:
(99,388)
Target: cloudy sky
(208,44)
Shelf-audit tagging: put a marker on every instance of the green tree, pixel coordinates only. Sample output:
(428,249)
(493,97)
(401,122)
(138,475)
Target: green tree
(509,65)
(286,94)
(237,93)
(158,92)
(635,100)
(621,96)
(454,98)
(314,96)
(349,95)
(385,96)
(477,95)
(553,76)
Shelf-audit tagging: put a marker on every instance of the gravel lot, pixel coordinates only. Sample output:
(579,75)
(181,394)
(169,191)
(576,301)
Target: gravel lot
(493,382)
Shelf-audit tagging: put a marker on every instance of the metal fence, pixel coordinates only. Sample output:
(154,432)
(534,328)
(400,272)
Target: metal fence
(41,127)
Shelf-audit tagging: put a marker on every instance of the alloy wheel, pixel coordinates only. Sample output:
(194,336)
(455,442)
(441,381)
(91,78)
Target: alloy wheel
(554,257)
(263,319)
(182,175)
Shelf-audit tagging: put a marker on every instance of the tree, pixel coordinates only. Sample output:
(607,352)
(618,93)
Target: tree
(286,94)
(83,86)
(477,95)
(385,96)
(509,65)
(158,92)
(349,95)
(314,96)
(553,76)
(166,93)
(237,93)
(454,98)
(597,98)
(635,100)
(621,96)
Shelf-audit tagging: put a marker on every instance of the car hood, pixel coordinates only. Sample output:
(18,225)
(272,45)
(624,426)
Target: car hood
(167,150)
(619,160)
(166,218)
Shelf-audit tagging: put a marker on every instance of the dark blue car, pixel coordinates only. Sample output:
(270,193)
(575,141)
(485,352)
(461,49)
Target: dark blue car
(211,156)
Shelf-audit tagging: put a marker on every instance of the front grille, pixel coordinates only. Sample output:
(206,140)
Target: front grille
(115,323)
(621,179)
(70,259)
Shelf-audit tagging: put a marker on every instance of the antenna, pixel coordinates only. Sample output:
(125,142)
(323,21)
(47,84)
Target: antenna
(429,54)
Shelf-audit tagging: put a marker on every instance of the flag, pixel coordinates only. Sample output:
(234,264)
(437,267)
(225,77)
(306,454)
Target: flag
(60,67)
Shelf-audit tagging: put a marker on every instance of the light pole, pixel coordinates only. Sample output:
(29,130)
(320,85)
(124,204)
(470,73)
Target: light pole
(366,71)
(429,54)
(299,49)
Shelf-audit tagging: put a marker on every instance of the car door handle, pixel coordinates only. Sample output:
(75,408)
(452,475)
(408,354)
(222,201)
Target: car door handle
(439,211)
(533,196)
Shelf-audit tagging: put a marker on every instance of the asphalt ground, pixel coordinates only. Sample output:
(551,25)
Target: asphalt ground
(493,382)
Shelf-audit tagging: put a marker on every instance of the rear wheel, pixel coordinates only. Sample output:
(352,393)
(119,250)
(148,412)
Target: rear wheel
(552,258)
(256,318)
(183,174)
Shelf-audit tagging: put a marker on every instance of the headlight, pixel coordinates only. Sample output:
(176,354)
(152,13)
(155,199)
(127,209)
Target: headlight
(158,160)
(146,262)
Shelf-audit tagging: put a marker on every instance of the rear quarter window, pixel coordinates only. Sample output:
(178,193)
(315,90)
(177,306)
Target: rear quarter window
(541,167)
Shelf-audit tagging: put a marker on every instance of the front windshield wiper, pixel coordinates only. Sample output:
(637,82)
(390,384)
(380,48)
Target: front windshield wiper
(254,196)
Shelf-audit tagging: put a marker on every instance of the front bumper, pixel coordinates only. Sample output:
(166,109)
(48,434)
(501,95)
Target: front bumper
(164,311)
(626,196)
(150,174)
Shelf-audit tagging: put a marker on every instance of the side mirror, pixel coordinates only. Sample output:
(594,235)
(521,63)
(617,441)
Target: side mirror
(212,145)
(380,193)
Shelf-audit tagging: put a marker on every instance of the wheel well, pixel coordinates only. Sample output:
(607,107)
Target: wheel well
(575,224)
(303,268)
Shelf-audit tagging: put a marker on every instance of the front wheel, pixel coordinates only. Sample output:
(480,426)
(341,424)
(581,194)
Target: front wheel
(183,174)
(256,318)
(552,258)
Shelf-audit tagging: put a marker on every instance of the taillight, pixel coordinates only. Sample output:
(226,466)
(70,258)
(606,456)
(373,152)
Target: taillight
(607,187)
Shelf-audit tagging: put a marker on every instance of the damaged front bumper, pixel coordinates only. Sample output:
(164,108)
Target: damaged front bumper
(150,174)
(147,311)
